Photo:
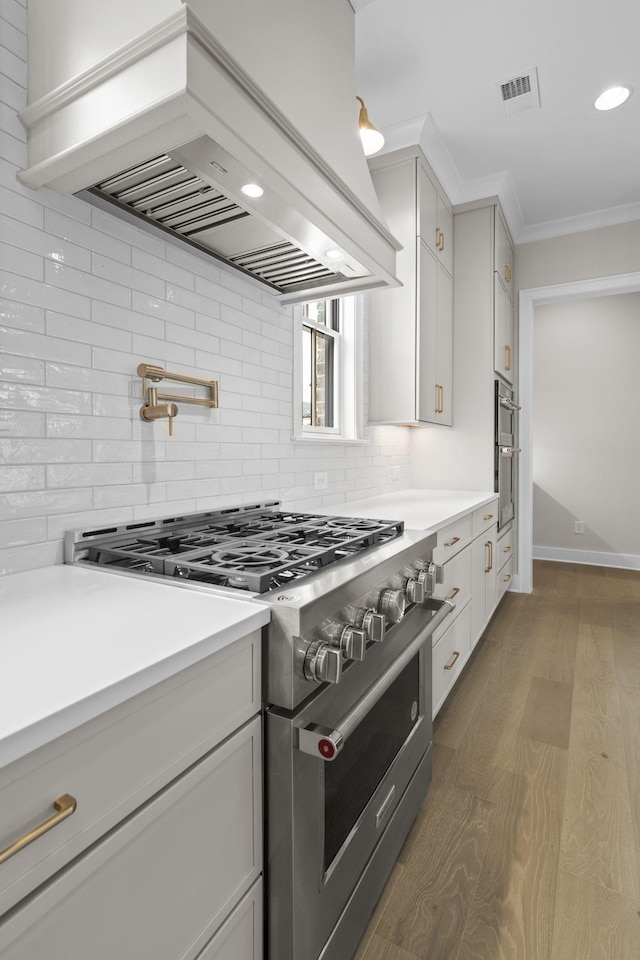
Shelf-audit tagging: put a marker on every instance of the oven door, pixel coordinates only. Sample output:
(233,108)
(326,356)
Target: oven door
(334,828)
(506,470)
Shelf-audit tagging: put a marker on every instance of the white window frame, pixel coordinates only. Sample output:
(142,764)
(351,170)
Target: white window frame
(348,376)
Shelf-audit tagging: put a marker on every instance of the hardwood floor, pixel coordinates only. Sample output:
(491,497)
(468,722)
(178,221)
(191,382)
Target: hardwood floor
(528,844)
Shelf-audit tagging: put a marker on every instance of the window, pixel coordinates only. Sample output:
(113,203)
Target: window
(328,380)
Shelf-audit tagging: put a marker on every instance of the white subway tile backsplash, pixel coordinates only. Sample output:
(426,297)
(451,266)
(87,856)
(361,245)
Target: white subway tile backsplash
(28,237)
(21,315)
(22,369)
(87,378)
(14,396)
(15,13)
(31,557)
(15,423)
(23,477)
(44,451)
(25,343)
(77,281)
(126,276)
(86,297)
(86,236)
(91,428)
(19,533)
(25,290)
(161,310)
(87,474)
(44,503)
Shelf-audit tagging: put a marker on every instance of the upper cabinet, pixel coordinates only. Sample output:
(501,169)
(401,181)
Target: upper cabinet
(411,327)
(503,297)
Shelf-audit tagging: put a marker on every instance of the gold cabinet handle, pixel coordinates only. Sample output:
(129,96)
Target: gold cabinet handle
(454,593)
(439,398)
(456,654)
(507,273)
(507,351)
(489,516)
(437,238)
(441,247)
(506,549)
(65,806)
(507,578)
(451,542)
(489,566)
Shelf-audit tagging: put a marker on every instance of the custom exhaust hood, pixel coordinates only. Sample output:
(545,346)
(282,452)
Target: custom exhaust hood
(163,111)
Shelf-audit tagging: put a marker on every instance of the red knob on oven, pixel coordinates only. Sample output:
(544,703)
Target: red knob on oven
(327,749)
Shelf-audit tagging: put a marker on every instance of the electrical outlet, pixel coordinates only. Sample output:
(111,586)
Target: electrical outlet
(578,526)
(320,480)
(395,473)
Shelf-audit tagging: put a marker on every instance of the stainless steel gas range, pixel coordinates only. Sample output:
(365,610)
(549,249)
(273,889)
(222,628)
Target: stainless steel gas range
(347,693)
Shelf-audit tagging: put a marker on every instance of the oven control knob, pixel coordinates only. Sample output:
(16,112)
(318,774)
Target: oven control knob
(371,622)
(414,590)
(392,604)
(323,663)
(430,575)
(352,642)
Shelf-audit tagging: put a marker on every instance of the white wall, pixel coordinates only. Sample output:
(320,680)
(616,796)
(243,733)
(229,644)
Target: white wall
(84,299)
(586,448)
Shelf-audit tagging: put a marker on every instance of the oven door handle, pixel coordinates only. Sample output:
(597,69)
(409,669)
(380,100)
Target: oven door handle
(326,743)
(508,404)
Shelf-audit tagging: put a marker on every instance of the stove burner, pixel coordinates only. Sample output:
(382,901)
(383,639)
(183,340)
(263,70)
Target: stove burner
(254,549)
(250,557)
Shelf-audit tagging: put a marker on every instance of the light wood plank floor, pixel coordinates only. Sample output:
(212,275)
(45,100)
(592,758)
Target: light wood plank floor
(528,844)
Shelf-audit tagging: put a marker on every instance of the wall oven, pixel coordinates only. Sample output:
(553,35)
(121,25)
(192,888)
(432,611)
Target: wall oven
(506,450)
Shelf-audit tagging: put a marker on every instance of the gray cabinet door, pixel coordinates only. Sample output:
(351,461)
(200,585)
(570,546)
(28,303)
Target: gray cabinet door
(162,883)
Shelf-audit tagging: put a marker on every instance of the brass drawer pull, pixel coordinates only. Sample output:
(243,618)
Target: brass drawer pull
(65,806)
(454,593)
(506,549)
(451,542)
(507,273)
(489,567)
(507,351)
(489,516)
(456,654)
(507,578)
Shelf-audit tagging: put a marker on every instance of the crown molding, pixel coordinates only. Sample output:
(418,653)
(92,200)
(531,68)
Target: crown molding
(595,220)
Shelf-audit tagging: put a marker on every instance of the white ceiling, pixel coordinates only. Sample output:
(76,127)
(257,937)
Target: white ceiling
(427,69)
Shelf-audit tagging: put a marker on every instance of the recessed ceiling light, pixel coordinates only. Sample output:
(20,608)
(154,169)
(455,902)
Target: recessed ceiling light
(613,97)
(334,254)
(252,190)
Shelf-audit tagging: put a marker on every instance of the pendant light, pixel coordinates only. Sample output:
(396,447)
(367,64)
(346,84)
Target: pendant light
(372,139)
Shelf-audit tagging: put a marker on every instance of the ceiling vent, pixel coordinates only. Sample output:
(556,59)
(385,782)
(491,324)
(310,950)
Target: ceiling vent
(519,93)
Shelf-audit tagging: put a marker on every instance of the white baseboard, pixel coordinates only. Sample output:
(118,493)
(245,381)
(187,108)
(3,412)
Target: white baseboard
(593,557)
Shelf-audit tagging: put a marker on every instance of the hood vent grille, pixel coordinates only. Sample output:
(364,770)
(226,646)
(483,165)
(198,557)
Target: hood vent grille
(164,192)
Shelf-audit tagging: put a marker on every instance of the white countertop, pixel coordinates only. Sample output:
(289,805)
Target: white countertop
(77,642)
(419,509)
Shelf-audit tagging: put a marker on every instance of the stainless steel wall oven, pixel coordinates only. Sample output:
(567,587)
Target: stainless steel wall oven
(506,450)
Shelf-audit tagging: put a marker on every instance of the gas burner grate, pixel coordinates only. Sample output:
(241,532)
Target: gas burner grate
(250,549)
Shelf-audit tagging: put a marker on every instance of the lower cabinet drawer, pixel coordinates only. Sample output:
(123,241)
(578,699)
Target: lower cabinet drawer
(241,936)
(504,549)
(452,538)
(162,884)
(505,576)
(116,762)
(450,655)
(456,585)
(485,517)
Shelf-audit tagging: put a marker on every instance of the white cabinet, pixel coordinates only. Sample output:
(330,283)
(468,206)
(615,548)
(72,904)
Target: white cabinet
(503,253)
(483,581)
(166,838)
(411,327)
(503,330)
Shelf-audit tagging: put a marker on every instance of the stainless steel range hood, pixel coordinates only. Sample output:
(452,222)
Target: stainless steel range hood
(166,125)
